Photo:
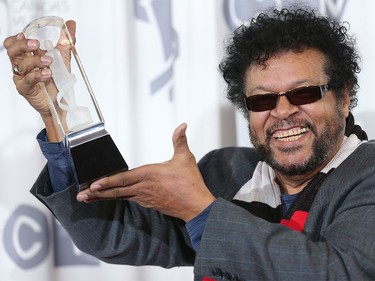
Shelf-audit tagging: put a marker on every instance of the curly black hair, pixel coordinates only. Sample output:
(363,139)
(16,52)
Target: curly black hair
(291,30)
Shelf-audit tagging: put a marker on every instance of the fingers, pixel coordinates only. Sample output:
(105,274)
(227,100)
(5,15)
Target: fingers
(32,63)
(25,55)
(9,41)
(123,179)
(113,187)
(115,193)
(17,46)
(25,58)
(26,84)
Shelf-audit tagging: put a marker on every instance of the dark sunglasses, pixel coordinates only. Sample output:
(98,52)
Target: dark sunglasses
(298,96)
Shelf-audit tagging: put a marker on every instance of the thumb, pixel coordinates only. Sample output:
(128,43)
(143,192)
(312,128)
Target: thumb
(71,25)
(179,139)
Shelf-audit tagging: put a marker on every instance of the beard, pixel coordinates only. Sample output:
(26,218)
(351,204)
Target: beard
(322,146)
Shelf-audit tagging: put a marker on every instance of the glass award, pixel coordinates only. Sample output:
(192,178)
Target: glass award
(73,104)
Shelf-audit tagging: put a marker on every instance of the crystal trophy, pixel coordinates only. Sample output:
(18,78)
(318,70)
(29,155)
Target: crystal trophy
(73,104)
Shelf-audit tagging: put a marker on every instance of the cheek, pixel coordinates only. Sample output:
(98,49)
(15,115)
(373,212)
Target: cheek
(325,117)
(320,110)
(258,122)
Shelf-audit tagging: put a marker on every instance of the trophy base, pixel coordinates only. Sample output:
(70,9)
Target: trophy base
(95,159)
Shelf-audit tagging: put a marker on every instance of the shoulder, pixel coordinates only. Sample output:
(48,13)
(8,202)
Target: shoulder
(361,158)
(225,170)
(345,201)
(357,167)
(366,147)
(351,182)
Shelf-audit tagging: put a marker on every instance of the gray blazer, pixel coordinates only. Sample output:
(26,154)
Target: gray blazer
(337,242)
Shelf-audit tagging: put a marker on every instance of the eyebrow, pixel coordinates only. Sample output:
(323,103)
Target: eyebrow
(297,84)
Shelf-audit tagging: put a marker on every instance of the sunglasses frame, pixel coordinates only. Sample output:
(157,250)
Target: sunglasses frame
(323,89)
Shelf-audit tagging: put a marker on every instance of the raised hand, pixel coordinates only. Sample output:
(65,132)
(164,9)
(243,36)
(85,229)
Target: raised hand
(30,68)
(174,187)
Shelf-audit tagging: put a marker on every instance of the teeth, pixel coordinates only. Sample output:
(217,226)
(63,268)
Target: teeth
(290,135)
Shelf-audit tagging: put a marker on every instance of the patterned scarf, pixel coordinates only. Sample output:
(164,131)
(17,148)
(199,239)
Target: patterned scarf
(261,194)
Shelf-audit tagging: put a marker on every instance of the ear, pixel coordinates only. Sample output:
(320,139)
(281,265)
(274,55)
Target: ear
(346,101)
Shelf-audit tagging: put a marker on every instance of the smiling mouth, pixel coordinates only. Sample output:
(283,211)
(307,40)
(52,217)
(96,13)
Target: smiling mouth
(290,135)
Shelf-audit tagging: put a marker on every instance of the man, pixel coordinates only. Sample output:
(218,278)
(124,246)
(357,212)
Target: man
(300,206)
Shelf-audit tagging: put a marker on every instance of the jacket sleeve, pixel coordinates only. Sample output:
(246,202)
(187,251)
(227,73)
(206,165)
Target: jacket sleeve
(117,231)
(337,242)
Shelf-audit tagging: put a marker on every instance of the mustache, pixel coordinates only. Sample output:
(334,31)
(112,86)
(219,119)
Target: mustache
(290,123)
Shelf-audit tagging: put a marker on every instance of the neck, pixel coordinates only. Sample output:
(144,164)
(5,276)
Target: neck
(292,184)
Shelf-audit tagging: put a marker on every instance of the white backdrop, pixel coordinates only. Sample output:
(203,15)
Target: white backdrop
(152,65)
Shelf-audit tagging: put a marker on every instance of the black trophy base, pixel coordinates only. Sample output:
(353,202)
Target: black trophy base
(96,159)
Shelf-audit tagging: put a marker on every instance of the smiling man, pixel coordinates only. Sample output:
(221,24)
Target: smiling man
(300,205)
(296,138)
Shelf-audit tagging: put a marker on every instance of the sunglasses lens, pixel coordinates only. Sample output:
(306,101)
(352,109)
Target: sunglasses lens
(299,96)
(261,102)
(304,95)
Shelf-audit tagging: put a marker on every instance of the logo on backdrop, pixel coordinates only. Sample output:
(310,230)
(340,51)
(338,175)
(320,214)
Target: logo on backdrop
(333,8)
(26,237)
(158,13)
(27,242)
(238,11)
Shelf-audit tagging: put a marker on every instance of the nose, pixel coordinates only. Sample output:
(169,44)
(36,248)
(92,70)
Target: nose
(284,108)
